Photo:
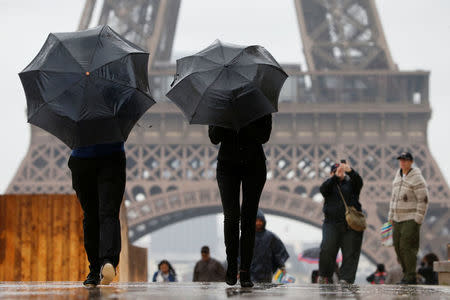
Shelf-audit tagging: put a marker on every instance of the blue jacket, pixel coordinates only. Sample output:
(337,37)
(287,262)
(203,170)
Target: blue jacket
(172,277)
(98,150)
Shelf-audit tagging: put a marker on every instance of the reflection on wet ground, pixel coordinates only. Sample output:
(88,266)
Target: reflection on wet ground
(212,291)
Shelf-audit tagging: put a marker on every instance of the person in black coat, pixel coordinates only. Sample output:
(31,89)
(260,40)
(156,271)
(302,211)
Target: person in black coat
(269,254)
(241,159)
(336,234)
(426,271)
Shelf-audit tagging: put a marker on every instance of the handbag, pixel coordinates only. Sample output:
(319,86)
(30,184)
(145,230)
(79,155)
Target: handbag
(355,219)
(387,234)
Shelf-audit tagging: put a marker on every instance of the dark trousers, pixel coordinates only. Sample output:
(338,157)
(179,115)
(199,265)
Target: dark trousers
(229,177)
(406,243)
(335,237)
(100,183)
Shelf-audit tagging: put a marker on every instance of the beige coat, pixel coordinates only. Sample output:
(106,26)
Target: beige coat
(409,200)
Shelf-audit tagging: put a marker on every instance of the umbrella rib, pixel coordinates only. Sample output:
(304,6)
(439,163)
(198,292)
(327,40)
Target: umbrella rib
(197,72)
(96,46)
(268,65)
(201,98)
(119,58)
(202,57)
(117,119)
(53,71)
(251,83)
(117,82)
(54,98)
(221,50)
(236,56)
(127,86)
(130,87)
(64,46)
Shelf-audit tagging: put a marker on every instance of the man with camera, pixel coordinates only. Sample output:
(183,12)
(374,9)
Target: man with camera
(340,191)
(409,203)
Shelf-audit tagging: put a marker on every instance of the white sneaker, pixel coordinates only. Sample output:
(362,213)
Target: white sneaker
(107,274)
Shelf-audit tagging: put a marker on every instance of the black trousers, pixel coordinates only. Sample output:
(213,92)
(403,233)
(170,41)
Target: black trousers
(100,184)
(229,178)
(335,236)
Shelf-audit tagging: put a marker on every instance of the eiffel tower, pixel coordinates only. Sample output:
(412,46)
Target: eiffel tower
(351,103)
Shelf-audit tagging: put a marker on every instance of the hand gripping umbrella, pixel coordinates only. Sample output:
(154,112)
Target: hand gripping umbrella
(227,85)
(87,87)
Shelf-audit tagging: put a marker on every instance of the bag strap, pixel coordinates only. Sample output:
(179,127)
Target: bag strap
(342,197)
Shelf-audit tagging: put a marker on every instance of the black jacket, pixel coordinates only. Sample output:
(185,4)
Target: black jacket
(245,145)
(333,207)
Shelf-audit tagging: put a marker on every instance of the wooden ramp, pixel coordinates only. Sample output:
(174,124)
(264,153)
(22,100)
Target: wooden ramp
(41,239)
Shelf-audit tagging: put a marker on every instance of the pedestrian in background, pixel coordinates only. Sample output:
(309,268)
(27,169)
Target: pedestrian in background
(165,273)
(379,276)
(208,269)
(269,255)
(336,234)
(426,271)
(408,206)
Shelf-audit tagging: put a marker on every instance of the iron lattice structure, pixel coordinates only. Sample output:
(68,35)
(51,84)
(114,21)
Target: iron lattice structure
(351,103)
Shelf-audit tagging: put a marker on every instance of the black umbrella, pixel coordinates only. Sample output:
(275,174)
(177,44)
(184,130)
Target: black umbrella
(227,85)
(87,87)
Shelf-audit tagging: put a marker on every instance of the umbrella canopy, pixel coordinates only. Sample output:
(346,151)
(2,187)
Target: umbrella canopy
(87,87)
(227,85)
(311,256)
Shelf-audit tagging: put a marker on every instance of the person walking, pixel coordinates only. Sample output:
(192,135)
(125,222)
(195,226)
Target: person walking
(98,178)
(269,254)
(379,276)
(241,160)
(336,234)
(408,206)
(208,269)
(165,273)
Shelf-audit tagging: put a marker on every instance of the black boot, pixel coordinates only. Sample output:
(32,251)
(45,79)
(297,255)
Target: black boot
(92,280)
(245,280)
(231,277)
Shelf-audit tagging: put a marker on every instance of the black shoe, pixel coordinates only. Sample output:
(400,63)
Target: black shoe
(244,278)
(92,280)
(107,273)
(231,277)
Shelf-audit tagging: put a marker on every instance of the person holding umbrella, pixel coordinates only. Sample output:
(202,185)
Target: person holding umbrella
(233,89)
(241,160)
(89,88)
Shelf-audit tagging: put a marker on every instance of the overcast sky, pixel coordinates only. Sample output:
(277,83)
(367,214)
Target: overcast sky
(418,35)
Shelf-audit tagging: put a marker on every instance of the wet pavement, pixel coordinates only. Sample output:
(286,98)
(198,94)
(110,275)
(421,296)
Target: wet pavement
(212,291)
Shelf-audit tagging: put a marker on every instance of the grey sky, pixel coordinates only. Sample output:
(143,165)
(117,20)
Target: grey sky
(417,33)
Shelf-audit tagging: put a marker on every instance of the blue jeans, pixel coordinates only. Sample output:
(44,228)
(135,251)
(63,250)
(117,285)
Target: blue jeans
(339,236)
